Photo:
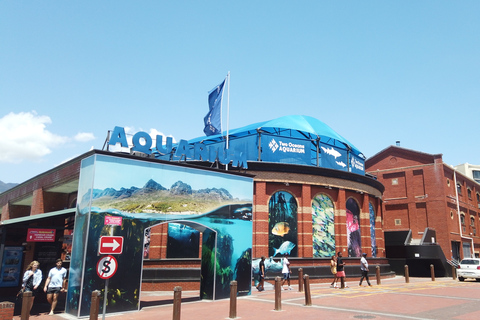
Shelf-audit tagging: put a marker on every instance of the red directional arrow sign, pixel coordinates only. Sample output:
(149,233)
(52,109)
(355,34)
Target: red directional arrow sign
(110,245)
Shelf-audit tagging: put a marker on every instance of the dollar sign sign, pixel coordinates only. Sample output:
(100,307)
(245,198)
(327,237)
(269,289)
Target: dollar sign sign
(106,267)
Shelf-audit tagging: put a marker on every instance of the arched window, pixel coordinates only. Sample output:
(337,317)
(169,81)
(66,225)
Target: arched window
(354,239)
(323,226)
(372,230)
(282,224)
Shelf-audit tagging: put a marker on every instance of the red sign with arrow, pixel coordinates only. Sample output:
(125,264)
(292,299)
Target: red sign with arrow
(110,245)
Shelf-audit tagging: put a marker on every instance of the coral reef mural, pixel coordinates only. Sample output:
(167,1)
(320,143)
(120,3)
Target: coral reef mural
(372,230)
(323,225)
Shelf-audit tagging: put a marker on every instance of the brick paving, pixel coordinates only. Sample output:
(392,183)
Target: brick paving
(421,299)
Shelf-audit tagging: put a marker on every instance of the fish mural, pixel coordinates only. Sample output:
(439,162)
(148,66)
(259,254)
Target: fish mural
(331,152)
(341,164)
(281,229)
(353,229)
(323,226)
(282,223)
(286,247)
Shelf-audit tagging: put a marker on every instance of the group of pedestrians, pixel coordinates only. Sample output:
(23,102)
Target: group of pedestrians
(55,283)
(337,268)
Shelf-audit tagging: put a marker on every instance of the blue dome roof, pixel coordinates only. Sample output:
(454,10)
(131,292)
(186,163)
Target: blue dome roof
(295,126)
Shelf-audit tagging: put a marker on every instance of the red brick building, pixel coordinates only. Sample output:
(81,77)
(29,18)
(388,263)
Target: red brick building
(424,193)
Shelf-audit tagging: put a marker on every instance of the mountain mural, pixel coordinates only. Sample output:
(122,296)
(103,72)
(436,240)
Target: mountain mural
(154,197)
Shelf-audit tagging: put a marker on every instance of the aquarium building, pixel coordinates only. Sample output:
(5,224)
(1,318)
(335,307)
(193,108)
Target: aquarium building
(310,198)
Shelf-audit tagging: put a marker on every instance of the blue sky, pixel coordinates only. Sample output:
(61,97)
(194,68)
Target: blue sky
(374,71)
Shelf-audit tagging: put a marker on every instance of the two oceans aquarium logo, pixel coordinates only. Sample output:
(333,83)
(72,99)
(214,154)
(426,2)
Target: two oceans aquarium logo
(286,147)
(356,164)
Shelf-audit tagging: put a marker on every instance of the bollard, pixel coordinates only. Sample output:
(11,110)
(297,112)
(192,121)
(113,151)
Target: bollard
(177,302)
(308,296)
(407,277)
(379,281)
(278,294)
(26,303)
(432,272)
(233,300)
(454,273)
(95,305)
(300,279)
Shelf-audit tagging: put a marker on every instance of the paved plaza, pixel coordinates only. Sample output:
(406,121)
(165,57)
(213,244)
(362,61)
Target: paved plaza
(419,299)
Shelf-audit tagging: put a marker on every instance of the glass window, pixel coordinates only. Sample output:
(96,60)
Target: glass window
(476,175)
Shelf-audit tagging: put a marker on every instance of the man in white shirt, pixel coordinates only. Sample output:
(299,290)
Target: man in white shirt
(286,271)
(364,269)
(56,282)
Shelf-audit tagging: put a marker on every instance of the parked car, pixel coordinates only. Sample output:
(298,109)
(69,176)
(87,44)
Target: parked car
(469,268)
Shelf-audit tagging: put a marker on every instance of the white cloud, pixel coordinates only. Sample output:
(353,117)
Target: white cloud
(84,137)
(24,137)
(130,132)
(153,133)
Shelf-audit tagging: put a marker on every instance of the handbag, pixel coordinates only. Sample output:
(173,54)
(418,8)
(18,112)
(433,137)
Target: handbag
(20,294)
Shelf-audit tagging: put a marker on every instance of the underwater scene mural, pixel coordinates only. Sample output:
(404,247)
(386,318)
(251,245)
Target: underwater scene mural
(353,229)
(323,225)
(372,230)
(145,194)
(183,241)
(282,222)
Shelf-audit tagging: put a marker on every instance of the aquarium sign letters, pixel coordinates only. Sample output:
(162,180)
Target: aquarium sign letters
(142,142)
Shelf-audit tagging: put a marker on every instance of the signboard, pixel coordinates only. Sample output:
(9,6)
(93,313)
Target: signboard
(11,271)
(106,267)
(113,221)
(281,149)
(110,245)
(41,235)
(357,164)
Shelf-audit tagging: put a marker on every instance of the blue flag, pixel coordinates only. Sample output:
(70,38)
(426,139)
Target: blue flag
(213,119)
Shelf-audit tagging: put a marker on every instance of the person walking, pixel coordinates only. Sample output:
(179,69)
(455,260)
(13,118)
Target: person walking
(333,269)
(31,280)
(56,282)
(364,269)
(261,274)
(286,271)
(340,270)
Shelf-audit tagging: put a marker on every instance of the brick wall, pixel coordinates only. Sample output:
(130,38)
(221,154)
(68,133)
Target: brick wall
(6,310)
